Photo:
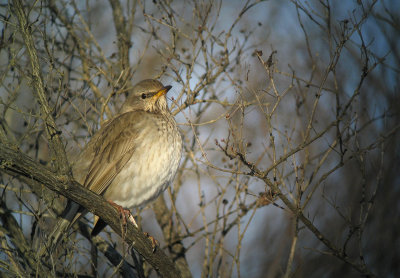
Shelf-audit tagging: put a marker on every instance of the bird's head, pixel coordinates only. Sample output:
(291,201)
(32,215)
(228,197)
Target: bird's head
(147,95)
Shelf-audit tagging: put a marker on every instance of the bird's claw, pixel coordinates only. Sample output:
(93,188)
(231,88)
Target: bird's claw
(126,214)
(154,242)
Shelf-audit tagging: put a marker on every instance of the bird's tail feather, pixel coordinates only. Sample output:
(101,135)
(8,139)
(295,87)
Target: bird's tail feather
(71,214)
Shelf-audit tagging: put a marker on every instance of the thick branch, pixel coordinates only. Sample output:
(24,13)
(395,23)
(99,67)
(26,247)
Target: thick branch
(13,162)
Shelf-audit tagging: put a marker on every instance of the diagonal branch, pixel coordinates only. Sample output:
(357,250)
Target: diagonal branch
(14,162)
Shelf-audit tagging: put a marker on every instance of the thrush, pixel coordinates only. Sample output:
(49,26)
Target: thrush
(132,158)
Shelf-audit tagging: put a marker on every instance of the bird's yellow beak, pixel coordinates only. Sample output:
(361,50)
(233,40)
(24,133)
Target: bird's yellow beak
(162,92)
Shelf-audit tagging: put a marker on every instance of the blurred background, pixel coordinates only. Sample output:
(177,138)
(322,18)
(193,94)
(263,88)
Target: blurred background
(289,111)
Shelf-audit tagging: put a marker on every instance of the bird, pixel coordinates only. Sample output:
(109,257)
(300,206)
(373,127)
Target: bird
(131,159)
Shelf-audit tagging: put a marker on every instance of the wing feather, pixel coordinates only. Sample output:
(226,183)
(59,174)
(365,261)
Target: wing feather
(113,146)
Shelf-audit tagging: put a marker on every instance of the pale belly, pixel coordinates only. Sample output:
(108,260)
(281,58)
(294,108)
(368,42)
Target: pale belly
(147,174)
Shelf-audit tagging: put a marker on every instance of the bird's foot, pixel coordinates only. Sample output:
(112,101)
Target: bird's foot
(126,214)
(154,242)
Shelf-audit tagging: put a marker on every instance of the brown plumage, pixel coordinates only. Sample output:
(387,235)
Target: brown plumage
(132,158)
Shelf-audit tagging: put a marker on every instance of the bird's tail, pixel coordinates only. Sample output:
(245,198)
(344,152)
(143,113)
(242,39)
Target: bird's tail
(71,214)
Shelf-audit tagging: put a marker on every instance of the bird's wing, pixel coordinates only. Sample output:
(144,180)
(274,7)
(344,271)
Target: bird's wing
(113,146)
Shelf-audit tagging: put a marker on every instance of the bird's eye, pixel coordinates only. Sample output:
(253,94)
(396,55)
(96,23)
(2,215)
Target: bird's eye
(144,96)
